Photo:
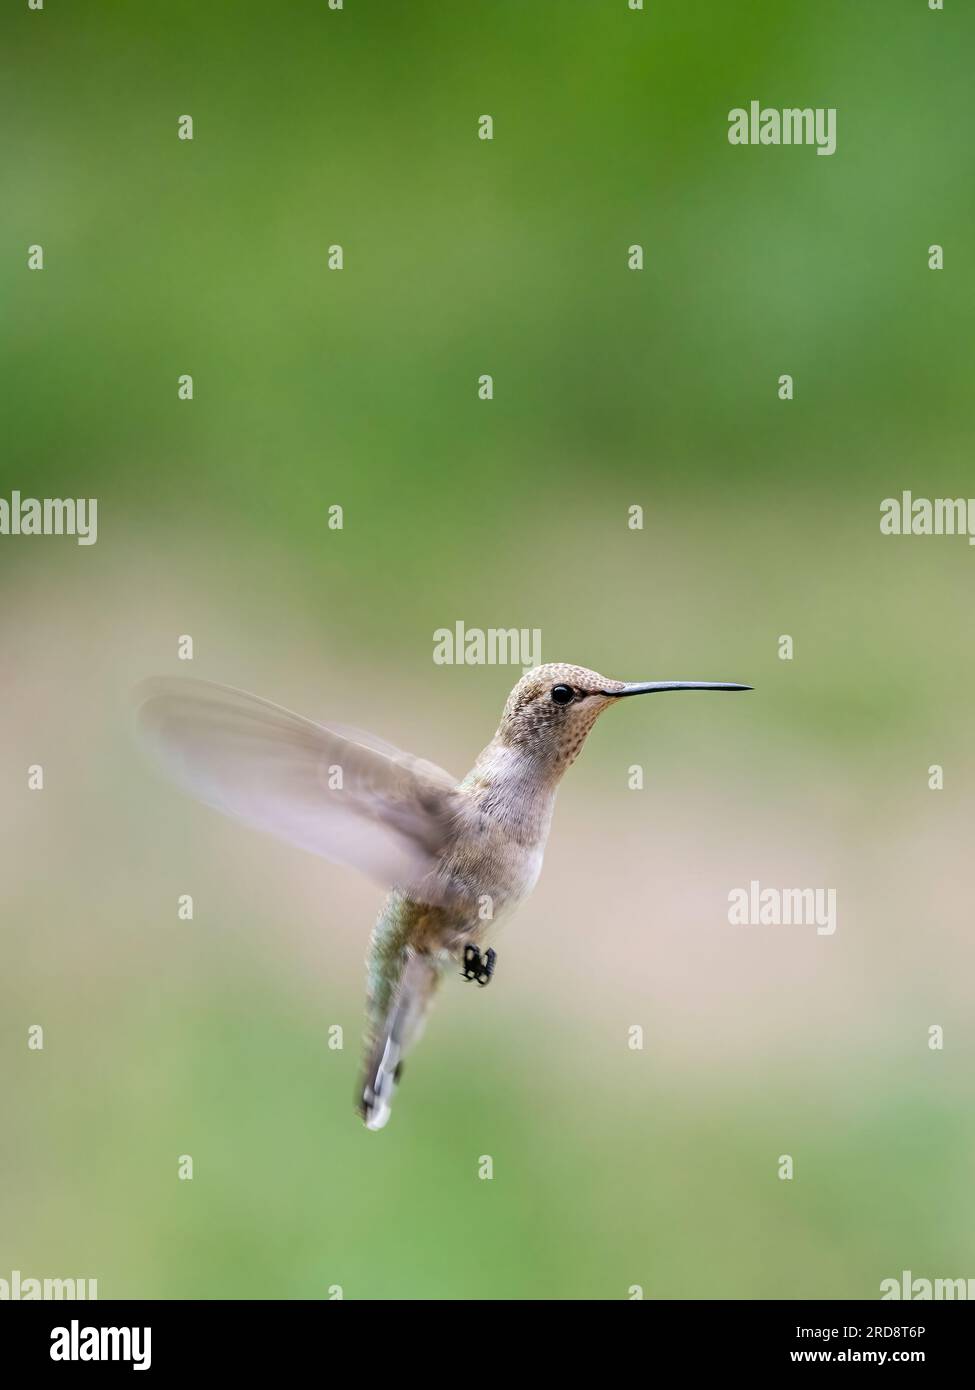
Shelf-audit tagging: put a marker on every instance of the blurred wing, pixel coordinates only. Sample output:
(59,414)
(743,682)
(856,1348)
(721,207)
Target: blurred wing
(349,797)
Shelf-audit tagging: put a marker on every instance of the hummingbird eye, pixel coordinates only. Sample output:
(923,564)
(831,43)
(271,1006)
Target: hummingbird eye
(562,694)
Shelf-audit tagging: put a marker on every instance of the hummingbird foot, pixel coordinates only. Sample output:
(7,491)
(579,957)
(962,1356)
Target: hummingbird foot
(478,967)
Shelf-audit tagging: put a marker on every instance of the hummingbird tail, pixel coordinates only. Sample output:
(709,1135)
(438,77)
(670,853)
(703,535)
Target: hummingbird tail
(397,1032)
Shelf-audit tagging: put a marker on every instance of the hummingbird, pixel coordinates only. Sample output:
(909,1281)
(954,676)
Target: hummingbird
(456,857)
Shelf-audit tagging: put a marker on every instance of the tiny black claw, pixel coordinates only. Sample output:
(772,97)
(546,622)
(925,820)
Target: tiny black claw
(478,967)
(490,958)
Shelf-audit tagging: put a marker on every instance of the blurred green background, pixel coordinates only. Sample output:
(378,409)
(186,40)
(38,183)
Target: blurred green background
(612,1168)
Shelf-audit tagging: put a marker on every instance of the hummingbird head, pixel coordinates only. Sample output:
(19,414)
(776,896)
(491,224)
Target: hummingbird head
(553,707)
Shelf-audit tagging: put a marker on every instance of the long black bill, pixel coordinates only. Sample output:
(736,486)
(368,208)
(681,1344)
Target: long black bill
(652,687)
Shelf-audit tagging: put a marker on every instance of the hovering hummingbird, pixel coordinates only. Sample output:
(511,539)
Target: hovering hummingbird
(456,857)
